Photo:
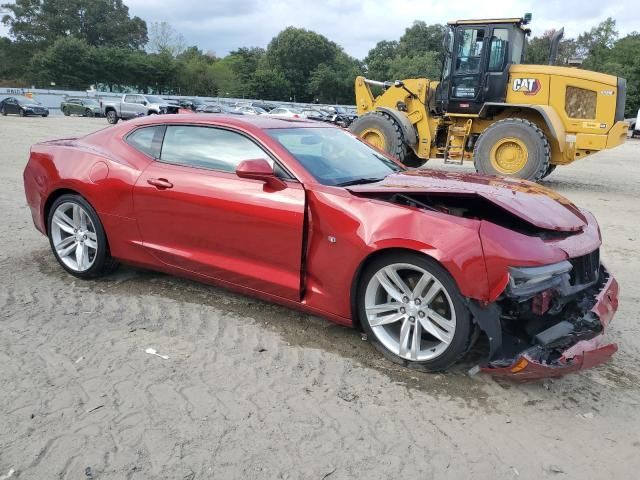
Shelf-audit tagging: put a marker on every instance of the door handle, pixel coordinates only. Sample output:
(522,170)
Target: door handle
(160,183)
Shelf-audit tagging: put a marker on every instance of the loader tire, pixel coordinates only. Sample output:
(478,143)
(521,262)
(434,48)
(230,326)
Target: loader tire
(383,132)
(513,147)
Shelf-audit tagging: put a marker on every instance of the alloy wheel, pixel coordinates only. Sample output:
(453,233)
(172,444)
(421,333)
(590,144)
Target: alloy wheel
(74,236)
(410,312)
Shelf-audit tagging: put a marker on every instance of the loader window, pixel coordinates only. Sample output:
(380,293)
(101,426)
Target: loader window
(498,49)
(470,42)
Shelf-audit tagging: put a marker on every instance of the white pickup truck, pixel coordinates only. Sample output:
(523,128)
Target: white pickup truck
(136,105)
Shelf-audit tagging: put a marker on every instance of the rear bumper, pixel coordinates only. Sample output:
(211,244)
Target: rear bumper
(579,356)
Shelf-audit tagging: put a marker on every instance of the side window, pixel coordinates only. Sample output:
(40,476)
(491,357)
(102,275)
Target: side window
(130,99)
(498,49)
(147,140)
(470,44)
(206,147)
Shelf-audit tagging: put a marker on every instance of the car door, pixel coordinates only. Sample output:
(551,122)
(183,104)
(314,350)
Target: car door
(130,106)
(196,214)
(74,106)
(11,105)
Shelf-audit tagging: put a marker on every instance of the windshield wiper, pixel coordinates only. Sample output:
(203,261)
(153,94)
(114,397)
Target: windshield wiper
(359,181)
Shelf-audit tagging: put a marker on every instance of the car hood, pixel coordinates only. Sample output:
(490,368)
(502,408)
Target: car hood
(533,203)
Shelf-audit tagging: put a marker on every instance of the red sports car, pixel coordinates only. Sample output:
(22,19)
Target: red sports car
(307,215)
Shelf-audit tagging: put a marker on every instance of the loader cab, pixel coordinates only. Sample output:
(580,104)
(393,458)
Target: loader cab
(478,54)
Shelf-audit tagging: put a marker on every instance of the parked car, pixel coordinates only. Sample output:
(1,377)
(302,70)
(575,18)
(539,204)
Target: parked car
(313,114)
(290,112)
(87,107)
(264,105)
(309,216)
(340,115)
(250,110)
(190,103)
(634,126)
(22,106)
(206,108)
(133,105)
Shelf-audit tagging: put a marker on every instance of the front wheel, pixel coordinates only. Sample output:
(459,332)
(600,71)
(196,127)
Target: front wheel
(21,112)
(89,113)
(77,238)
(382,131)
(413,312)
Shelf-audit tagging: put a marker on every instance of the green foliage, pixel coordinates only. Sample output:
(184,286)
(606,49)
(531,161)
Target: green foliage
(418,53)
(539,48)
(67,63)
(297,53)
(97,22)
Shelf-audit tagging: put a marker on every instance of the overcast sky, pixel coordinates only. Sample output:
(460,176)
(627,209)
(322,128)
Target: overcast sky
(223,25)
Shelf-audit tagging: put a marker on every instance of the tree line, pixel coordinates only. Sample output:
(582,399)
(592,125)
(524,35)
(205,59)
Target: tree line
(77,43)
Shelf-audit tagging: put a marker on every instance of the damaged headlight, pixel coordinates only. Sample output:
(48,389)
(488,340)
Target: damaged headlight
(527,281)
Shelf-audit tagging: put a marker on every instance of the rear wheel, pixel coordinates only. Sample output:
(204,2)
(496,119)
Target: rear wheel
(77,238)
(513,147)
(112,117)
(65,111)
(412,311)
(383,132)
(3,112)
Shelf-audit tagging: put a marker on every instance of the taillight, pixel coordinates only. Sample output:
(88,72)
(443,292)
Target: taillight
(296,116)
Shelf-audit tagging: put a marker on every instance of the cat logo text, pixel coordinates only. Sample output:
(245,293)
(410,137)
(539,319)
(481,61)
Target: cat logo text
(528,86)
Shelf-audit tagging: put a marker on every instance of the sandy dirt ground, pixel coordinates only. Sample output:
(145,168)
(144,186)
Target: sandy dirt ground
(255,391)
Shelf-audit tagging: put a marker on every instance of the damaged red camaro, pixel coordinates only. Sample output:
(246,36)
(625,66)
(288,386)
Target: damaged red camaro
(307,215)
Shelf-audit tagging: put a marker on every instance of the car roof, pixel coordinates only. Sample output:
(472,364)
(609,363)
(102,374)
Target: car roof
(247,122)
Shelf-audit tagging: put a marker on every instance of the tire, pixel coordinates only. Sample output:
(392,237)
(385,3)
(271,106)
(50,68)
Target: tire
(549,171)
(3,112)
(45,115)
(22,113)
(65,111)
(439,354)
(89,113)
(383,132)
(529,150)
(112,117)
(96,261)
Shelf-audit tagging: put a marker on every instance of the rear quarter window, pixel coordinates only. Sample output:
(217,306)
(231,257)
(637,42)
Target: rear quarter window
(147,140)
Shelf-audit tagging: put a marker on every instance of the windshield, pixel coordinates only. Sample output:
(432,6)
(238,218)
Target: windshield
(333,156)
(154,99)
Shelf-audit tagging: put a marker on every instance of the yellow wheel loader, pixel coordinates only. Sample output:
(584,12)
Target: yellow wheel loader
(511,119)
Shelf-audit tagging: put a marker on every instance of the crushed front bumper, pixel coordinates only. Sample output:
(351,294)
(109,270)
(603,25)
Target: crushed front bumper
(583,354)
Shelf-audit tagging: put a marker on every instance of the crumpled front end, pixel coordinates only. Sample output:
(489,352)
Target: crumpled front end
(551,301)
(567,343)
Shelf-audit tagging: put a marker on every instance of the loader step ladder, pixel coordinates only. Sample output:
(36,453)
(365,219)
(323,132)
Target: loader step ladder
(456,141)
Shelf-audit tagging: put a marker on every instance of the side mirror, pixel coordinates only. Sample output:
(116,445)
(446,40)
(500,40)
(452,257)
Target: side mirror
(259,169)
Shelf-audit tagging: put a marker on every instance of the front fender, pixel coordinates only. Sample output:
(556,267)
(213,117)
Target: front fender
(347,230)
